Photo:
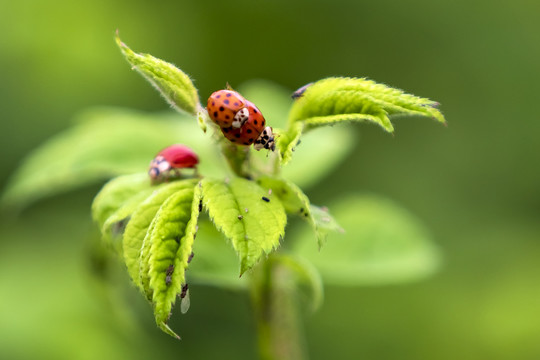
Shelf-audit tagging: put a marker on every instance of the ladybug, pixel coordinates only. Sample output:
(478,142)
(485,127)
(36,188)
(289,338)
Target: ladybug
(171,159)
(253,131)
(227,109)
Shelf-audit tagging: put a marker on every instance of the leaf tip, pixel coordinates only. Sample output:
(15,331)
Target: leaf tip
(163,326)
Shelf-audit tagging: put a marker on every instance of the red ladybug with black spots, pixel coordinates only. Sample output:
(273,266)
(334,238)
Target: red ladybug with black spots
(240,120)
(225,108)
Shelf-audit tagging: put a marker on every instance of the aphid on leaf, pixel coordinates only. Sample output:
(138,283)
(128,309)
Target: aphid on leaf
(168,275)
(266,199)
(185,302)
(168,161)
(298,93)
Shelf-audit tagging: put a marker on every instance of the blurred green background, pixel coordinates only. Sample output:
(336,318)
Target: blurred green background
(475,183)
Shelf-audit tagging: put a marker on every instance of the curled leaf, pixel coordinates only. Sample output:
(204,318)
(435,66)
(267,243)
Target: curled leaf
(171,243)
(139,226)
(115,193)
(175,86)
(338,100)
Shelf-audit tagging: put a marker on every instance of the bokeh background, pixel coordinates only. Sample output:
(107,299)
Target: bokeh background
(475,184)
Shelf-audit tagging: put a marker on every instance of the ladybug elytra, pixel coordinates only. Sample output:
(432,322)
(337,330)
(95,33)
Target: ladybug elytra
(171,159)
(224,106)
(241,122)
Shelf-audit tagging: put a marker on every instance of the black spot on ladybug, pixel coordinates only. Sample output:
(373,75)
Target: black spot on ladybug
(226,101)
(255,122)
(218,96)
(262,122)
(226,130)
(213,103)
(190,257)
(221,108)
(251,140)
(229,94)
(233,140)
(246,142)
(215,114)
(255,111)
(237,135)
(236,103)
(249,131)
(266,199)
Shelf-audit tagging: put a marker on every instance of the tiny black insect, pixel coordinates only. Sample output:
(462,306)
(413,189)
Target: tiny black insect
(184,291)
(200,206)
(266,199)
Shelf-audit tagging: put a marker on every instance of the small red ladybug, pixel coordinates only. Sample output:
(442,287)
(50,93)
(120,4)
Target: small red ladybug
(226,108)
(170,160)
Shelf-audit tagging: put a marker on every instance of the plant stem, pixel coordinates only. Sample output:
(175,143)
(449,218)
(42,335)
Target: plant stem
(276,311)
(237,157)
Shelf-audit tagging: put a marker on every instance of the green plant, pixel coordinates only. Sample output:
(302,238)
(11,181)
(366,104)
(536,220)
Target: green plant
(247,196)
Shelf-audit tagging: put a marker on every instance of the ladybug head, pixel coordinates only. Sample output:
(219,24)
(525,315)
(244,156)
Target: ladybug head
(158,166)
(265,140)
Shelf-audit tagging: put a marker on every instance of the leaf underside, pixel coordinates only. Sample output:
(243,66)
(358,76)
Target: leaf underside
(339,100)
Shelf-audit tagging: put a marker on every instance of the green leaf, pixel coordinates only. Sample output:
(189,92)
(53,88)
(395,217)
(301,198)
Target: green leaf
(171,244)
(296,202)
(104,143)
(215,262)
(113,227)
(116,193)
(286,141)
(338,100)
(360,97)
(239,210)
(382,244)
(175,86)
(323,224)
(306,277)
(139,226)
(319,151)
(292,198)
